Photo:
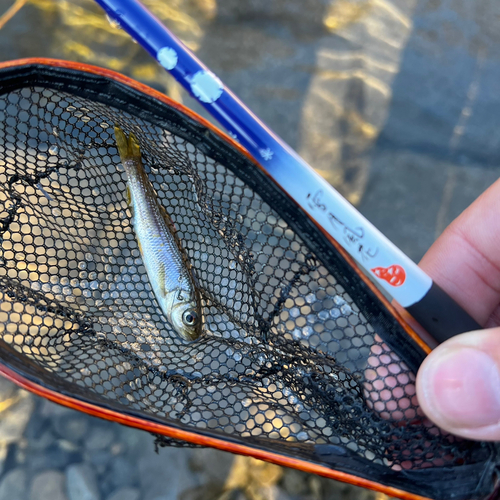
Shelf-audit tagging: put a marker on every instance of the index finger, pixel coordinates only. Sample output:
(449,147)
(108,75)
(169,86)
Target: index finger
(465,259)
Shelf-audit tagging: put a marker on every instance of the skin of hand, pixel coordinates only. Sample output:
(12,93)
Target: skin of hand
(458,385)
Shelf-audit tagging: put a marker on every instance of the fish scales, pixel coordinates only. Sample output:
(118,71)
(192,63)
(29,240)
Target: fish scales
(157,239)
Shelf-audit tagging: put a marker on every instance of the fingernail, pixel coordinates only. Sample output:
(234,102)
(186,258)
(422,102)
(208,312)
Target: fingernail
(463,388)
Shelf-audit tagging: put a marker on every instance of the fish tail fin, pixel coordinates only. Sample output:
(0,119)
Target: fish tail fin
(128,147)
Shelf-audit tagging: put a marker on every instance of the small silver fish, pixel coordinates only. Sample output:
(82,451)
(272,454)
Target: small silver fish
(165,262)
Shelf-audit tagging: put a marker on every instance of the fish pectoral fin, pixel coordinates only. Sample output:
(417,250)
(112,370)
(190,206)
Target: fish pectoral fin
(162,279)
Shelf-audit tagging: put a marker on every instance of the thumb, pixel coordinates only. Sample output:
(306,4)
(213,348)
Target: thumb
(458,385)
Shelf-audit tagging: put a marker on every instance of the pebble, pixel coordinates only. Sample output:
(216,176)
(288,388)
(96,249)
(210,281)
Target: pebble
(295,482)
(99,438)
(82,483)
(15,420)
(13,485)
(121,473)
(52,457)
(7,388)
(125,494)
(4,450)
(213,465)
(41,441)
(66,445)
(48,485)
(336,489)
(273,493)
(98,458)
(165,475)
(73,428)
(209,491)
(130,439)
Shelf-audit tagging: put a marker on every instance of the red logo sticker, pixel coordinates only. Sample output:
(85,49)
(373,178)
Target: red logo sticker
(394,275)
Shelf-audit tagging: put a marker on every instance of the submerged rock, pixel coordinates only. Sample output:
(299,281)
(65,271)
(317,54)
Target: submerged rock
(125,494)
(82,483)
(48,485)
(15,419)
(13,485)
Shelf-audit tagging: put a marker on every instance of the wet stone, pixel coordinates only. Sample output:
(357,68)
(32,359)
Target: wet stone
(280,494)
(66,445)
(206,492)
(40,441)
(48,485)
(13,485)
(336,489)
(37,425)
(237,495)
(125,494)
(4,450)
(295,482)
(9,460)
(53,457)
(16,418)
(99,438)
(271,493)
(121,473)
(82,483)
(213,465)
(98,458)
(7,389)
(72,428)
(130,438)
(165,475)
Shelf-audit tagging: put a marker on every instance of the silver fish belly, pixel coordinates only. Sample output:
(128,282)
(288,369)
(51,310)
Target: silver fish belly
(167,268)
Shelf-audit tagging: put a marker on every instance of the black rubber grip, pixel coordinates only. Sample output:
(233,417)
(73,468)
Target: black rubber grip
(441,316)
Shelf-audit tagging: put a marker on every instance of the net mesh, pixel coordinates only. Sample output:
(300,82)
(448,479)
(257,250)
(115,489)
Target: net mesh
(285,353)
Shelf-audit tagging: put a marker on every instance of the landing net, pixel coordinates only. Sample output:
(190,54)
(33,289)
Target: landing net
(294,352)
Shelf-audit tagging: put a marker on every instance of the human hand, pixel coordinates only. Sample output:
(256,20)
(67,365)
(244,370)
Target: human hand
(458,385)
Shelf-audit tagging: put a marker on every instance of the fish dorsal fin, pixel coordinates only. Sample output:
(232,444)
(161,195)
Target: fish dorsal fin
(168,220)
(128,194)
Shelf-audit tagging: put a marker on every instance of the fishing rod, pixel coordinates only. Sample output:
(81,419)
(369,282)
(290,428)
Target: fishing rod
(381,260)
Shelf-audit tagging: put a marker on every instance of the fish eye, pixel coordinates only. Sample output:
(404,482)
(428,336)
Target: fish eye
(190,318)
